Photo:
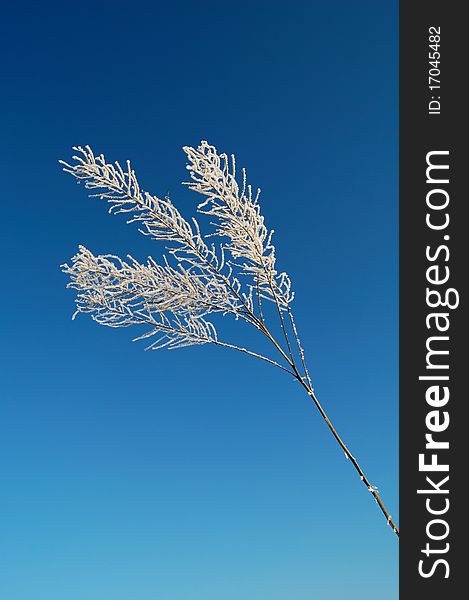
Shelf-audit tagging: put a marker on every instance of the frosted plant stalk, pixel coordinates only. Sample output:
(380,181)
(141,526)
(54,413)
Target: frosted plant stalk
(176,302)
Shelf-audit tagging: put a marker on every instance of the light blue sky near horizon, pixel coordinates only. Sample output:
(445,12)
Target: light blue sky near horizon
(200,474)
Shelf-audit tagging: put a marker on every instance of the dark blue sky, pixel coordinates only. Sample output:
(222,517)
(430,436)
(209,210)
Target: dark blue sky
(199,474)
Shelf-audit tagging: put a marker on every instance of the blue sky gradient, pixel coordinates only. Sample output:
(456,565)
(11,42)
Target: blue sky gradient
(200,474)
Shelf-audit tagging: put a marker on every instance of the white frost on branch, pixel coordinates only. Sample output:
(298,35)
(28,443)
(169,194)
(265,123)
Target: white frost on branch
(174,303)
(177,301)
(158,218)
(237,216)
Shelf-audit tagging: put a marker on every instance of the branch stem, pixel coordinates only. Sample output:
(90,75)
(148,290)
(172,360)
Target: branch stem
(309,389)
(372,489)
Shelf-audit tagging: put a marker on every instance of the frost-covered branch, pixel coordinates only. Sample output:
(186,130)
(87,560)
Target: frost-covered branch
(178,301)
(237,216)
(173,302)
(158,218)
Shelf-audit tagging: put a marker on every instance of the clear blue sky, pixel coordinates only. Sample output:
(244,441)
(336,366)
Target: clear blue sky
(199,474)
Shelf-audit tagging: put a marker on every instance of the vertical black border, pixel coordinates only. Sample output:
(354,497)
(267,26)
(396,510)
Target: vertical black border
(420,133)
